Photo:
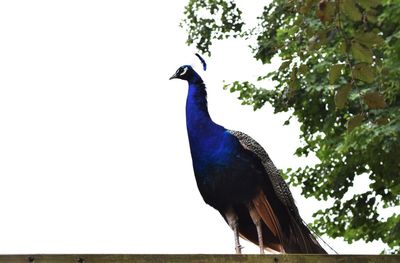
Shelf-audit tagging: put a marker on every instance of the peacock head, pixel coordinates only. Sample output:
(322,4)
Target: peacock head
(185,72)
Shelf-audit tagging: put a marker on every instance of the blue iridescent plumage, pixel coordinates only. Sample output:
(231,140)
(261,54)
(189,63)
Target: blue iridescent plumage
(235,176)
(202,61)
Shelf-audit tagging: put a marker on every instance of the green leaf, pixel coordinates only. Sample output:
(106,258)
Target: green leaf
(285,64)
(349,8)
(342,48)
(374,100)
(341,95)
(303,69)
(382,121)
(364,72)
(326,10)
(334,73)
(367,4)
(361,53)
(323,36)
(369,39)
(306,7)
(371,16)
(354,122)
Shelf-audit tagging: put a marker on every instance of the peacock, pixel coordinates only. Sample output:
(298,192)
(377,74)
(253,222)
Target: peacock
(235,175)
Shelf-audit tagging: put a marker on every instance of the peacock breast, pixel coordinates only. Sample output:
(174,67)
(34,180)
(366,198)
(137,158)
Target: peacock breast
(224,174)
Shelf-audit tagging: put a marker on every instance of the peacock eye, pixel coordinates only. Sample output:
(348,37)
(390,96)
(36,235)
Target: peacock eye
(184,71)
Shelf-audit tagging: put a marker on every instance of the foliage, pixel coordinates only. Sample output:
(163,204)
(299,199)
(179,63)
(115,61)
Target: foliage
(340,76)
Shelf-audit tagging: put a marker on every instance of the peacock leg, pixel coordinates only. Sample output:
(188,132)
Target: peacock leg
(257,222)
(233,222)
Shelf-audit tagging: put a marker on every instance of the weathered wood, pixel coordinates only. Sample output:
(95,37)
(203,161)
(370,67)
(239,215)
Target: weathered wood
(199,258)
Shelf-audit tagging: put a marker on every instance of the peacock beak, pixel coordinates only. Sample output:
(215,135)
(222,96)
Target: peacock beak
(173,76)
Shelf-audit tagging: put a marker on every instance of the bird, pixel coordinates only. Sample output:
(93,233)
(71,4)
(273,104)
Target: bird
(235,175)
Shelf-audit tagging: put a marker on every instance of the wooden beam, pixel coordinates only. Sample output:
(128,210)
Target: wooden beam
(199,258)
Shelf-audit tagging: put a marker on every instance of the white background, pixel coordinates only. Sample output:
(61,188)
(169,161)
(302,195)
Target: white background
(94,156)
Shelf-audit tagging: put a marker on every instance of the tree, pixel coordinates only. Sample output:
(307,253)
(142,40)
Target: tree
(340,77)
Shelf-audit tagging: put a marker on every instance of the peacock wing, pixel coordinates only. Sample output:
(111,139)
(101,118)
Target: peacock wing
(280,187)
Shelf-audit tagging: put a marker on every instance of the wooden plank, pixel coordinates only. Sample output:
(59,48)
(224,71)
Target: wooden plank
(199,258)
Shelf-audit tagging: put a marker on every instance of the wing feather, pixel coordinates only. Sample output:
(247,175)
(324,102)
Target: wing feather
(279,185)
(300,238)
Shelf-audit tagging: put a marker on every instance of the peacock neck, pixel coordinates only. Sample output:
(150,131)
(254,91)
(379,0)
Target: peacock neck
(197,101)
(197,116)
(199,124)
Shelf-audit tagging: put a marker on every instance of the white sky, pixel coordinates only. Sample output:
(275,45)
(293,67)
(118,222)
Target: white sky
(94,156)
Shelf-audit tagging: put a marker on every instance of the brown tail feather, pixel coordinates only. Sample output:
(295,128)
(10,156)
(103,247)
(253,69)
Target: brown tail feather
(267,214)
(294,236)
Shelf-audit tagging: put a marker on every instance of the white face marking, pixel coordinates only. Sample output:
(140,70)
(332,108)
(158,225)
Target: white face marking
(184,71)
